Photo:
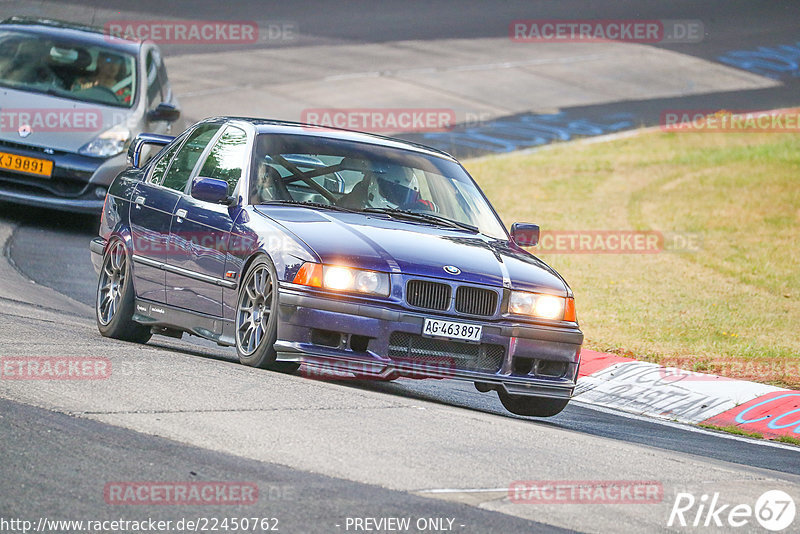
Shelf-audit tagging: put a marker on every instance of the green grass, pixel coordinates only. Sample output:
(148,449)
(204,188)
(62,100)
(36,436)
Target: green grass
(733,306)
(732,429)
(788,439)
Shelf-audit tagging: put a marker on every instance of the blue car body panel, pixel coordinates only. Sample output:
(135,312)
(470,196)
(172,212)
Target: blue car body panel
(198,242)
(381,244)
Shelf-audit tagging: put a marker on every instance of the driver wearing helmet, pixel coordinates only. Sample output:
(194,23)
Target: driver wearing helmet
(387,185)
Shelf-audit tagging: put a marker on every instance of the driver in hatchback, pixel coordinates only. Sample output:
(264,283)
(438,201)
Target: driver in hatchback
(107,74)
(108,69)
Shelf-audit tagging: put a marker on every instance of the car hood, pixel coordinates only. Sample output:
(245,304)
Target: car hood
(55,123)
(375,242)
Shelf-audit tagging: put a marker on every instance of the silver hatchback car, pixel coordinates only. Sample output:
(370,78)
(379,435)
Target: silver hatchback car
(71,99)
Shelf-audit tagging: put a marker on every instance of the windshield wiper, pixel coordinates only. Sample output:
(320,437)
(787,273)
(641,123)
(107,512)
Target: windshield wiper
(423,217)
(332,207)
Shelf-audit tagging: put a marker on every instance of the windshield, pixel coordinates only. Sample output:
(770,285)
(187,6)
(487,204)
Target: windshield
(375,179)
(68,69)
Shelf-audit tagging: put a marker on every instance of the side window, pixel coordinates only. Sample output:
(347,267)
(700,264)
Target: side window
(166,90)
(152,66)
(160,166)
(227,157)
(186,158)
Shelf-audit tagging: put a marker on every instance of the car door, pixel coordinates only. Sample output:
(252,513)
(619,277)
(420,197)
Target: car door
(154,204)
(201,229)
(150,217)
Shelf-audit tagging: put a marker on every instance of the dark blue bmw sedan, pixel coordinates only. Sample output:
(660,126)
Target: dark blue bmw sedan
(337,250)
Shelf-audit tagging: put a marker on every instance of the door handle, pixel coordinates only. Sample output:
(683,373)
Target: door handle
(180,214)
(139,202)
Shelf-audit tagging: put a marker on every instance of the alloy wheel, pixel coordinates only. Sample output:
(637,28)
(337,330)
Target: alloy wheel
(254,310)
(112,282)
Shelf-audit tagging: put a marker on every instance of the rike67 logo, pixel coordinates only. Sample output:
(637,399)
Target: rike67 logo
(774,510)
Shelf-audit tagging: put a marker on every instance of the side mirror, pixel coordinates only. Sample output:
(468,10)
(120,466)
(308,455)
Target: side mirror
(164,112)
(135,148)
(525,234)
(211,190)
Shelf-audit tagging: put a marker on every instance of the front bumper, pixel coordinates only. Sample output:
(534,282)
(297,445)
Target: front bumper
(49,201)
(369,341)
(78,183)
(97,247)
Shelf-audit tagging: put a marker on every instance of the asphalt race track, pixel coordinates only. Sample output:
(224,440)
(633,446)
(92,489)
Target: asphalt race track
(303,502)
(323,452)
(28,257)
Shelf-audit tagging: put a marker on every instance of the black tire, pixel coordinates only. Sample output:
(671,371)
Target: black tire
(256,320)
(114,300)
(531,406)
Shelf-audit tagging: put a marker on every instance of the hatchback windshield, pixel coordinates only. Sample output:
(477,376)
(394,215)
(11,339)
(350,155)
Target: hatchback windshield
(371,179)
(69,69)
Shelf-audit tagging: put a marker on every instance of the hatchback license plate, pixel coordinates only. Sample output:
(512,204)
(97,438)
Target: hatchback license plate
(26,165)
(451,330)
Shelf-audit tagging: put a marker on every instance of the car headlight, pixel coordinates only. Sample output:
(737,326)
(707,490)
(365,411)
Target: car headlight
(107,144)
(542,306)
(338,278)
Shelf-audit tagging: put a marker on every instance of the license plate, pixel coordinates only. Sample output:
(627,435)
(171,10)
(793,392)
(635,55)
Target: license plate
(26,165)
(451,330)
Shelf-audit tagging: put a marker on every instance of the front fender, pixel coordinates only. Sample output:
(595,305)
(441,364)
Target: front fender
(253,234)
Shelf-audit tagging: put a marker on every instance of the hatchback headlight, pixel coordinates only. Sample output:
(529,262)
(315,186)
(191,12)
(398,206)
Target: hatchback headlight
(347,279)
(542,306)
(107,144)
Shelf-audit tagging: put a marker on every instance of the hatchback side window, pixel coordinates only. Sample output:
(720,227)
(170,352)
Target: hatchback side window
(186,158)
(228,157)
(166,89)
(154,90)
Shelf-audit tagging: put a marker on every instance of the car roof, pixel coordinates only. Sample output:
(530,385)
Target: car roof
(299,128)
(59,29)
